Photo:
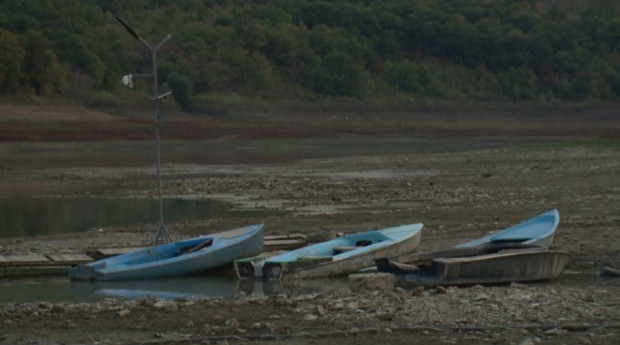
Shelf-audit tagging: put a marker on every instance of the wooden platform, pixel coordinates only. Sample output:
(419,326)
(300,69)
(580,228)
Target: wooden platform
(99,254)
(43,260)
(37,264)
(33,264)
(284,242)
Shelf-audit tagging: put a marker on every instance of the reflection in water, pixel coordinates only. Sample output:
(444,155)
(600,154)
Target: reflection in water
(40,290)
(183,287)
(52,215)
(195,287)
(201,287)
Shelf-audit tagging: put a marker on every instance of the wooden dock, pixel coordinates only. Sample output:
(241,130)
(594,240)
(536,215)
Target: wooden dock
(36,264)
(16,265)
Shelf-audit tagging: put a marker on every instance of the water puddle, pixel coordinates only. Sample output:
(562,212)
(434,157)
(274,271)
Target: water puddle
(28,216)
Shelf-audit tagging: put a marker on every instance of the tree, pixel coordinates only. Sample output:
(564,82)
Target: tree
(338,75)
(12,56)
(43,73)
(182,90)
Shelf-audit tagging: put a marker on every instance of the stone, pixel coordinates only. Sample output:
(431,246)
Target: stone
(58,308)
(481,297)
(159,304)
(123,313)
(352,306)
(232,323)
(441,290)
(400,290)
(527,341)
(310,317)
(372,281)
(515,285)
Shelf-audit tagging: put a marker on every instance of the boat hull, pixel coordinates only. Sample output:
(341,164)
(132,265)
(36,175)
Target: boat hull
(519,265)
(298,265)
(176,259)
(539,231)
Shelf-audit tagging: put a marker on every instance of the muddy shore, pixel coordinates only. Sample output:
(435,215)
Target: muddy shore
(458,195)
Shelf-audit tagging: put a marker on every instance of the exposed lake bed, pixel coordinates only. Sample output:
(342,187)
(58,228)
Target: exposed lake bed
(459,194)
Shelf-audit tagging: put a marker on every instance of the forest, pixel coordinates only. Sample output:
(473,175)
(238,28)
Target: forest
(482,50)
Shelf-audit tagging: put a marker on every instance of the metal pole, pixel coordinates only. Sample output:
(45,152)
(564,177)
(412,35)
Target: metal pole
(162,235)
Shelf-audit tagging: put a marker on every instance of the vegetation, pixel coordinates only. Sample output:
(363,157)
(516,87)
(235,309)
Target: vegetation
(507,50)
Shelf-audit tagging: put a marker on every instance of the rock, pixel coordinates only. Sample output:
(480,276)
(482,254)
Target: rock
(527,341)
(555,331)
(352,306)
(190,324)
(310,317)
(372,281)
(338,305)
(159,305)
(58,308)
(385,316)
(515,285)
(45,305)
(481,297)
(584,341)
(440,289)
(232,323)
(123,313)
(417,291)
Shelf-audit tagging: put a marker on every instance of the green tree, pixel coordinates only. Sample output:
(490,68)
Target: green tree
(12,56)
(338,75)
(182,90)
(43,73)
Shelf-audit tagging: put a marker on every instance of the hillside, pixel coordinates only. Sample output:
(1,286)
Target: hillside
(226,52)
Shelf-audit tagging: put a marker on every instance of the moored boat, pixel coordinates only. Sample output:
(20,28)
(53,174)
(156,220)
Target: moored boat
(179,258)
(338,256)
(517,254)
(488,264)
(539,231)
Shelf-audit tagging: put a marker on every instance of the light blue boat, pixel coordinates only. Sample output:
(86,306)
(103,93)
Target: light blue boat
(339,256)
(517,254)
(537,231)
(180,258)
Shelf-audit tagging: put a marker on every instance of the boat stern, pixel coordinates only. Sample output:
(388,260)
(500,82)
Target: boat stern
(83,273)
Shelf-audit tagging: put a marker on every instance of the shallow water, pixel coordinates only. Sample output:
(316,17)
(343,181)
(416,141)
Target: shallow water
(28,216)
(59,289)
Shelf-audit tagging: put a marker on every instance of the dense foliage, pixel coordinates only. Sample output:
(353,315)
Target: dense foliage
(445,49)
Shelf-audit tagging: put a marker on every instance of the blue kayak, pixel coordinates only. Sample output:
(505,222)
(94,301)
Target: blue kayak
(179,258)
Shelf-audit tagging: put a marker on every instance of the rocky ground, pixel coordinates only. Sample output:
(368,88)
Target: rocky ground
(458,195)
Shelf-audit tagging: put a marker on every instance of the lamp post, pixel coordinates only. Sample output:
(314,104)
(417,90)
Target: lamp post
(162,235)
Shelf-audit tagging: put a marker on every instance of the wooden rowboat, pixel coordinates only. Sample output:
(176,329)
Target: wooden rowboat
(488,264)
(517,254)
(339,256)
(180,258)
